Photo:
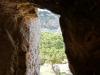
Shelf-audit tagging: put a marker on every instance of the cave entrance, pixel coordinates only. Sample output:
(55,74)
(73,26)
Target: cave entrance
(53,60)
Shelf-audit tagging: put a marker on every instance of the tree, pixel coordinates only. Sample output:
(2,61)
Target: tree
(52,48)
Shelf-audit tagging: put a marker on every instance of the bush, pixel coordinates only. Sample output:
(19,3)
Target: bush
(52,48)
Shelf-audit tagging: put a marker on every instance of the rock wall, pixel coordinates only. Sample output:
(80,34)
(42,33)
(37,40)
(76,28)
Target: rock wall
(17,57)
(80,24)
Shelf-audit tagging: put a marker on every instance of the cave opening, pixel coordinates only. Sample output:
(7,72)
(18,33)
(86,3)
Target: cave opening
(53,60)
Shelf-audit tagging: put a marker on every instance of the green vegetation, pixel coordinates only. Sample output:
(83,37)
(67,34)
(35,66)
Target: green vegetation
(52,48)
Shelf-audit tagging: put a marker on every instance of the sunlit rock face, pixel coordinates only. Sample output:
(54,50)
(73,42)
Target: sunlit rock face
(16,52)
(80,24)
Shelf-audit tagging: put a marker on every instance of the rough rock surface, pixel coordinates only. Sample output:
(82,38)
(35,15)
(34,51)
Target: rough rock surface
(17,57)
(80,24)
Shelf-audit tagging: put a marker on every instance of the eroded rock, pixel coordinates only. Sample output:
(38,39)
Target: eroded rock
(15,21)
(79,22)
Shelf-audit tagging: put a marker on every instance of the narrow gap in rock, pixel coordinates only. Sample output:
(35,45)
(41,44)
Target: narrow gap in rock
(53,60)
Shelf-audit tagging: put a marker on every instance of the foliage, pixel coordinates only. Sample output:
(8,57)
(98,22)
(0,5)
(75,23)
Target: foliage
(52,48)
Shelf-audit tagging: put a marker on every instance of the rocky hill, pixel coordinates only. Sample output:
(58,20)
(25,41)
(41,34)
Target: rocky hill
(49,21)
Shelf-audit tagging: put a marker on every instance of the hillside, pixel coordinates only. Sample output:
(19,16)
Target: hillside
(49,21)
